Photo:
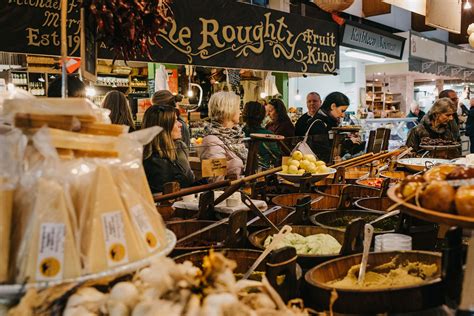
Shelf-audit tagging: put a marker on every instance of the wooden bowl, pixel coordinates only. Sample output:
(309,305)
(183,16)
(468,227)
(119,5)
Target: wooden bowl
(290,200)
(361,301)
(374,204)
(213,238)
(348,193)
(244,258)
(394,176)
(171,214)
(356,191)
(429,215)
(338,220)
(257,239)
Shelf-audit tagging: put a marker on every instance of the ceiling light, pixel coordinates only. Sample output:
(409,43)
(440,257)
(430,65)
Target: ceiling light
(298,96)
(263,95)
(190,93)
(467,5)
(364,56)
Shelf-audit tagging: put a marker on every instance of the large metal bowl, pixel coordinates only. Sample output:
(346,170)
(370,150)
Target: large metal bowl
(419,164)
(315,177)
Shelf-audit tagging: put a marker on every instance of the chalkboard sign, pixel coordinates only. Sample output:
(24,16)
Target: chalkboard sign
(202,33)
(88,47)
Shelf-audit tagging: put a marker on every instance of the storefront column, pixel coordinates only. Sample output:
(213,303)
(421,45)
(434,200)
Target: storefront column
(281,81)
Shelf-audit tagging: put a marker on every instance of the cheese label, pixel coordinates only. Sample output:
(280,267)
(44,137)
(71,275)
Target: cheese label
(114,238)
(141,222)
(50,261)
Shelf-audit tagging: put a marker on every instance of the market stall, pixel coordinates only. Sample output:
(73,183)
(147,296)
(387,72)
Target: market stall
(83,234)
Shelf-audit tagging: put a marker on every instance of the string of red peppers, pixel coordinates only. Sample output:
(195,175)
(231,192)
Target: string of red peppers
(128,27)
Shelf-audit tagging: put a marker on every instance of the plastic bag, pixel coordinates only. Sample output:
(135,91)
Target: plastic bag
(44,243)
(12,147)
(303,145)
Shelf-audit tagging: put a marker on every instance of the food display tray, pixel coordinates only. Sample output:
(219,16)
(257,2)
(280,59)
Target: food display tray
(429,215)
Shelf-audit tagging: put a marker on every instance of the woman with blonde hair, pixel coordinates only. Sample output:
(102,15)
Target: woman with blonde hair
(165,159)
(120,112)
(434,125)
(223,136)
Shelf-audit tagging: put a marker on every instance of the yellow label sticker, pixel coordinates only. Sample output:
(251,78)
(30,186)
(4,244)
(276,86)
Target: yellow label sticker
(50,267)
(117,252)
(151,239)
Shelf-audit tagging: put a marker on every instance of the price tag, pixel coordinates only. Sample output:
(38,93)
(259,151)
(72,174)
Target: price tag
(214,167)
(284,160)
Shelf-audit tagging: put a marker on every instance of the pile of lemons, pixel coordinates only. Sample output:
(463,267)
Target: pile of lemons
(300,164)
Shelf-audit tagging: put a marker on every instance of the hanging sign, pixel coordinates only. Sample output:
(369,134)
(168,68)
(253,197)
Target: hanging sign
(218,33)
(365,38)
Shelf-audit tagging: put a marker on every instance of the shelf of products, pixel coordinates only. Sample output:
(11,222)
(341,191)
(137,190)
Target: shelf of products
(381,101)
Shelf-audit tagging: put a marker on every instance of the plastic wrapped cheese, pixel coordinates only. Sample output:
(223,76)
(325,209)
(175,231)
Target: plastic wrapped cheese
(107,236)
(137,198)
(12,147)
(48,249)
(6,203)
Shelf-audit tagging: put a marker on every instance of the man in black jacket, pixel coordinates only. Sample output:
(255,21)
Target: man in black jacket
(313,102)
(470,124)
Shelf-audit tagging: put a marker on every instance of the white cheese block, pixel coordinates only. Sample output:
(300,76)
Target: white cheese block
(107,236)
(137,198)
(48,249)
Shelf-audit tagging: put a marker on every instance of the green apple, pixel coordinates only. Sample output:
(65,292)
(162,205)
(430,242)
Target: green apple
(284,168)
(301,171)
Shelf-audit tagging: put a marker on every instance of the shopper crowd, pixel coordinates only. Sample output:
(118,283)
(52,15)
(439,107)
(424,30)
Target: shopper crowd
(166,158)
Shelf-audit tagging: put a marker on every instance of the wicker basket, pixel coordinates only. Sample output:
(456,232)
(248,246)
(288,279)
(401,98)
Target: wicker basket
(333,5)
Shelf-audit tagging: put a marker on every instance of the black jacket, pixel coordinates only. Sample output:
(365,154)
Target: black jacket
(301,125)
(162,170)
(320,140)
(470,123)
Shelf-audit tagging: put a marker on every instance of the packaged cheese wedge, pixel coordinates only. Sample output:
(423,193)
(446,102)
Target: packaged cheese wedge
(6,204)
(48,249)
(107,236)
(137,198)
(12,148)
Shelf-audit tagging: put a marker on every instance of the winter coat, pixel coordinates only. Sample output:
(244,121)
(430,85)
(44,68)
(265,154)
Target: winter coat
(425,129)
(163,170)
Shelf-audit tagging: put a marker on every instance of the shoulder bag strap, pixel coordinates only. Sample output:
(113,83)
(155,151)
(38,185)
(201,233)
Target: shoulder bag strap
(309,128)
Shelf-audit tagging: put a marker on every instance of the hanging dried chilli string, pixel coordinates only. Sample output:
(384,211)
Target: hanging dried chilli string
(129,27)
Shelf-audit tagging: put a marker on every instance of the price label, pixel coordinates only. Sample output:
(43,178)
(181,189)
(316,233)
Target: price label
(284,160)
(214,167)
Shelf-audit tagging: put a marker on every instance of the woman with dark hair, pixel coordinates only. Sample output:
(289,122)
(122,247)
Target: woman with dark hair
(165,159)
(120,112)
(329,115)
(165,97)
(280,122)
(268,153)
(434,125)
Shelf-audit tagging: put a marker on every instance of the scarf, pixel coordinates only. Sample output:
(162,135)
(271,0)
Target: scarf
(233,138)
